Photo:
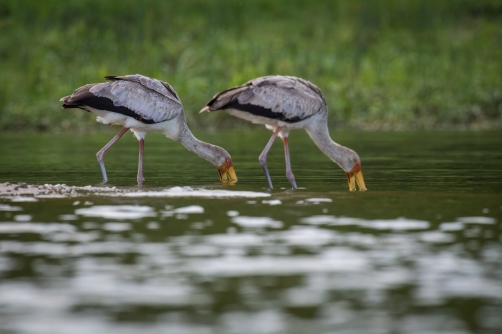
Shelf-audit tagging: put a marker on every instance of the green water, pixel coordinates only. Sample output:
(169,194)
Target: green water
(419,252)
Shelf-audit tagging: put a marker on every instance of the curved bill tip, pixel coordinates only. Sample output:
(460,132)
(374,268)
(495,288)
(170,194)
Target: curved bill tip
(206,108)
(358,178)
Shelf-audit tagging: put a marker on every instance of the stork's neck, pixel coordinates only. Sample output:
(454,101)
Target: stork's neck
(202,149)
(320,136)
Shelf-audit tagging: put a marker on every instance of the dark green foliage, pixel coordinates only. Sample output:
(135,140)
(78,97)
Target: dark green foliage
(380,64)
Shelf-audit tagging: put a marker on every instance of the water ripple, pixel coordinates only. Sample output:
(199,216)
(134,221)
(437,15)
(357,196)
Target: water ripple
(117,211)
(399,224)
(190,192)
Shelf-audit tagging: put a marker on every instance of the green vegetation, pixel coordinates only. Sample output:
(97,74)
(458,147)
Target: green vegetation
(381,64)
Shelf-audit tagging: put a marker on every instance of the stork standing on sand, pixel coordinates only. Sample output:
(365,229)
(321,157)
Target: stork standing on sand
(282,104)
(143,104)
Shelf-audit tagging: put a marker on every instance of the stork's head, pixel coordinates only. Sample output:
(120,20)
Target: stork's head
(219,157)
(227,172)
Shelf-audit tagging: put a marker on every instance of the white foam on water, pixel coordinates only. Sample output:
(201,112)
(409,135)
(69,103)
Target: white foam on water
(117,211)
(382,279)
(22,218)
(316,200)
(90,225)
(306,236)
(43,322)
(268,321)
(73,237)
(7,207)
(237,266)
(245,221)
(51,196)
(232,213)
(190,192)
(331,220)
(50,307)
(477,220)
(36,248)
(152,225)
(272,202)
(117,227)
(105,290)
(399,224)
(185,210)
(39,228)
(304,297)
(234,240)
(190,209)
(436,237)
(451,226)
(442,275)
(200,250)
(68,217)
(105,247)
(23,199)
(472,286)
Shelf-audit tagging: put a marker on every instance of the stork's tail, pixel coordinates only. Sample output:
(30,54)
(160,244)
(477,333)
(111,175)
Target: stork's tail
(65,104)
(64,99)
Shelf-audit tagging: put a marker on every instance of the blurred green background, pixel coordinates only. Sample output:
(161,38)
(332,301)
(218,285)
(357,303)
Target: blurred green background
(387,64)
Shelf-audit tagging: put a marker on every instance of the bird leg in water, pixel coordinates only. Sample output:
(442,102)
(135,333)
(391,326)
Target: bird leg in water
(289,171)
(101,154)
(263,156)
(140,161)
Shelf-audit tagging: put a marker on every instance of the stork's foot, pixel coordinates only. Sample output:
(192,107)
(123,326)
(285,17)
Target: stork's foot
(103,170)
(291,179)
(267,175)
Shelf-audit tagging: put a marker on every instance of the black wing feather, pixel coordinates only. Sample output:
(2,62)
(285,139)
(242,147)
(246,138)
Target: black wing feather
(82,97)
(260,111)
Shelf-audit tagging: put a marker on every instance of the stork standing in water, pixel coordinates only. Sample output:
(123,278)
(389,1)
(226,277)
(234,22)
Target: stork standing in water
(143,104)
(282,104)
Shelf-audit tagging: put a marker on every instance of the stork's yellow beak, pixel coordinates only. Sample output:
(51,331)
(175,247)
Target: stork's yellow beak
(227,172)
(356,175)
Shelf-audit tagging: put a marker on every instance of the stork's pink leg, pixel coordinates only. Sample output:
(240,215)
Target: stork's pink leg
(140,161)
(101,154)
(263,156)
(289,171)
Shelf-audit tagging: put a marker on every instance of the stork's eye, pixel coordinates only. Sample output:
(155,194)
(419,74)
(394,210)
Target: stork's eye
(228,160)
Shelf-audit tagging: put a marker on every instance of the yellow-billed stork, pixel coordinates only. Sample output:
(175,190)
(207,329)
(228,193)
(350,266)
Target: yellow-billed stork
(282,104)
(144,104)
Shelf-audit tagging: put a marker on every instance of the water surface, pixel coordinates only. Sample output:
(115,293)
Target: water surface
(419,252)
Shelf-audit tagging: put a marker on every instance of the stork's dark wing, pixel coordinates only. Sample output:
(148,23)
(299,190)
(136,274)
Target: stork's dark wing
(289,99)
(145,99)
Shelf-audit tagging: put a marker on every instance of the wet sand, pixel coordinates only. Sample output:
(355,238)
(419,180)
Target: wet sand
(22,189)
(25,192)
